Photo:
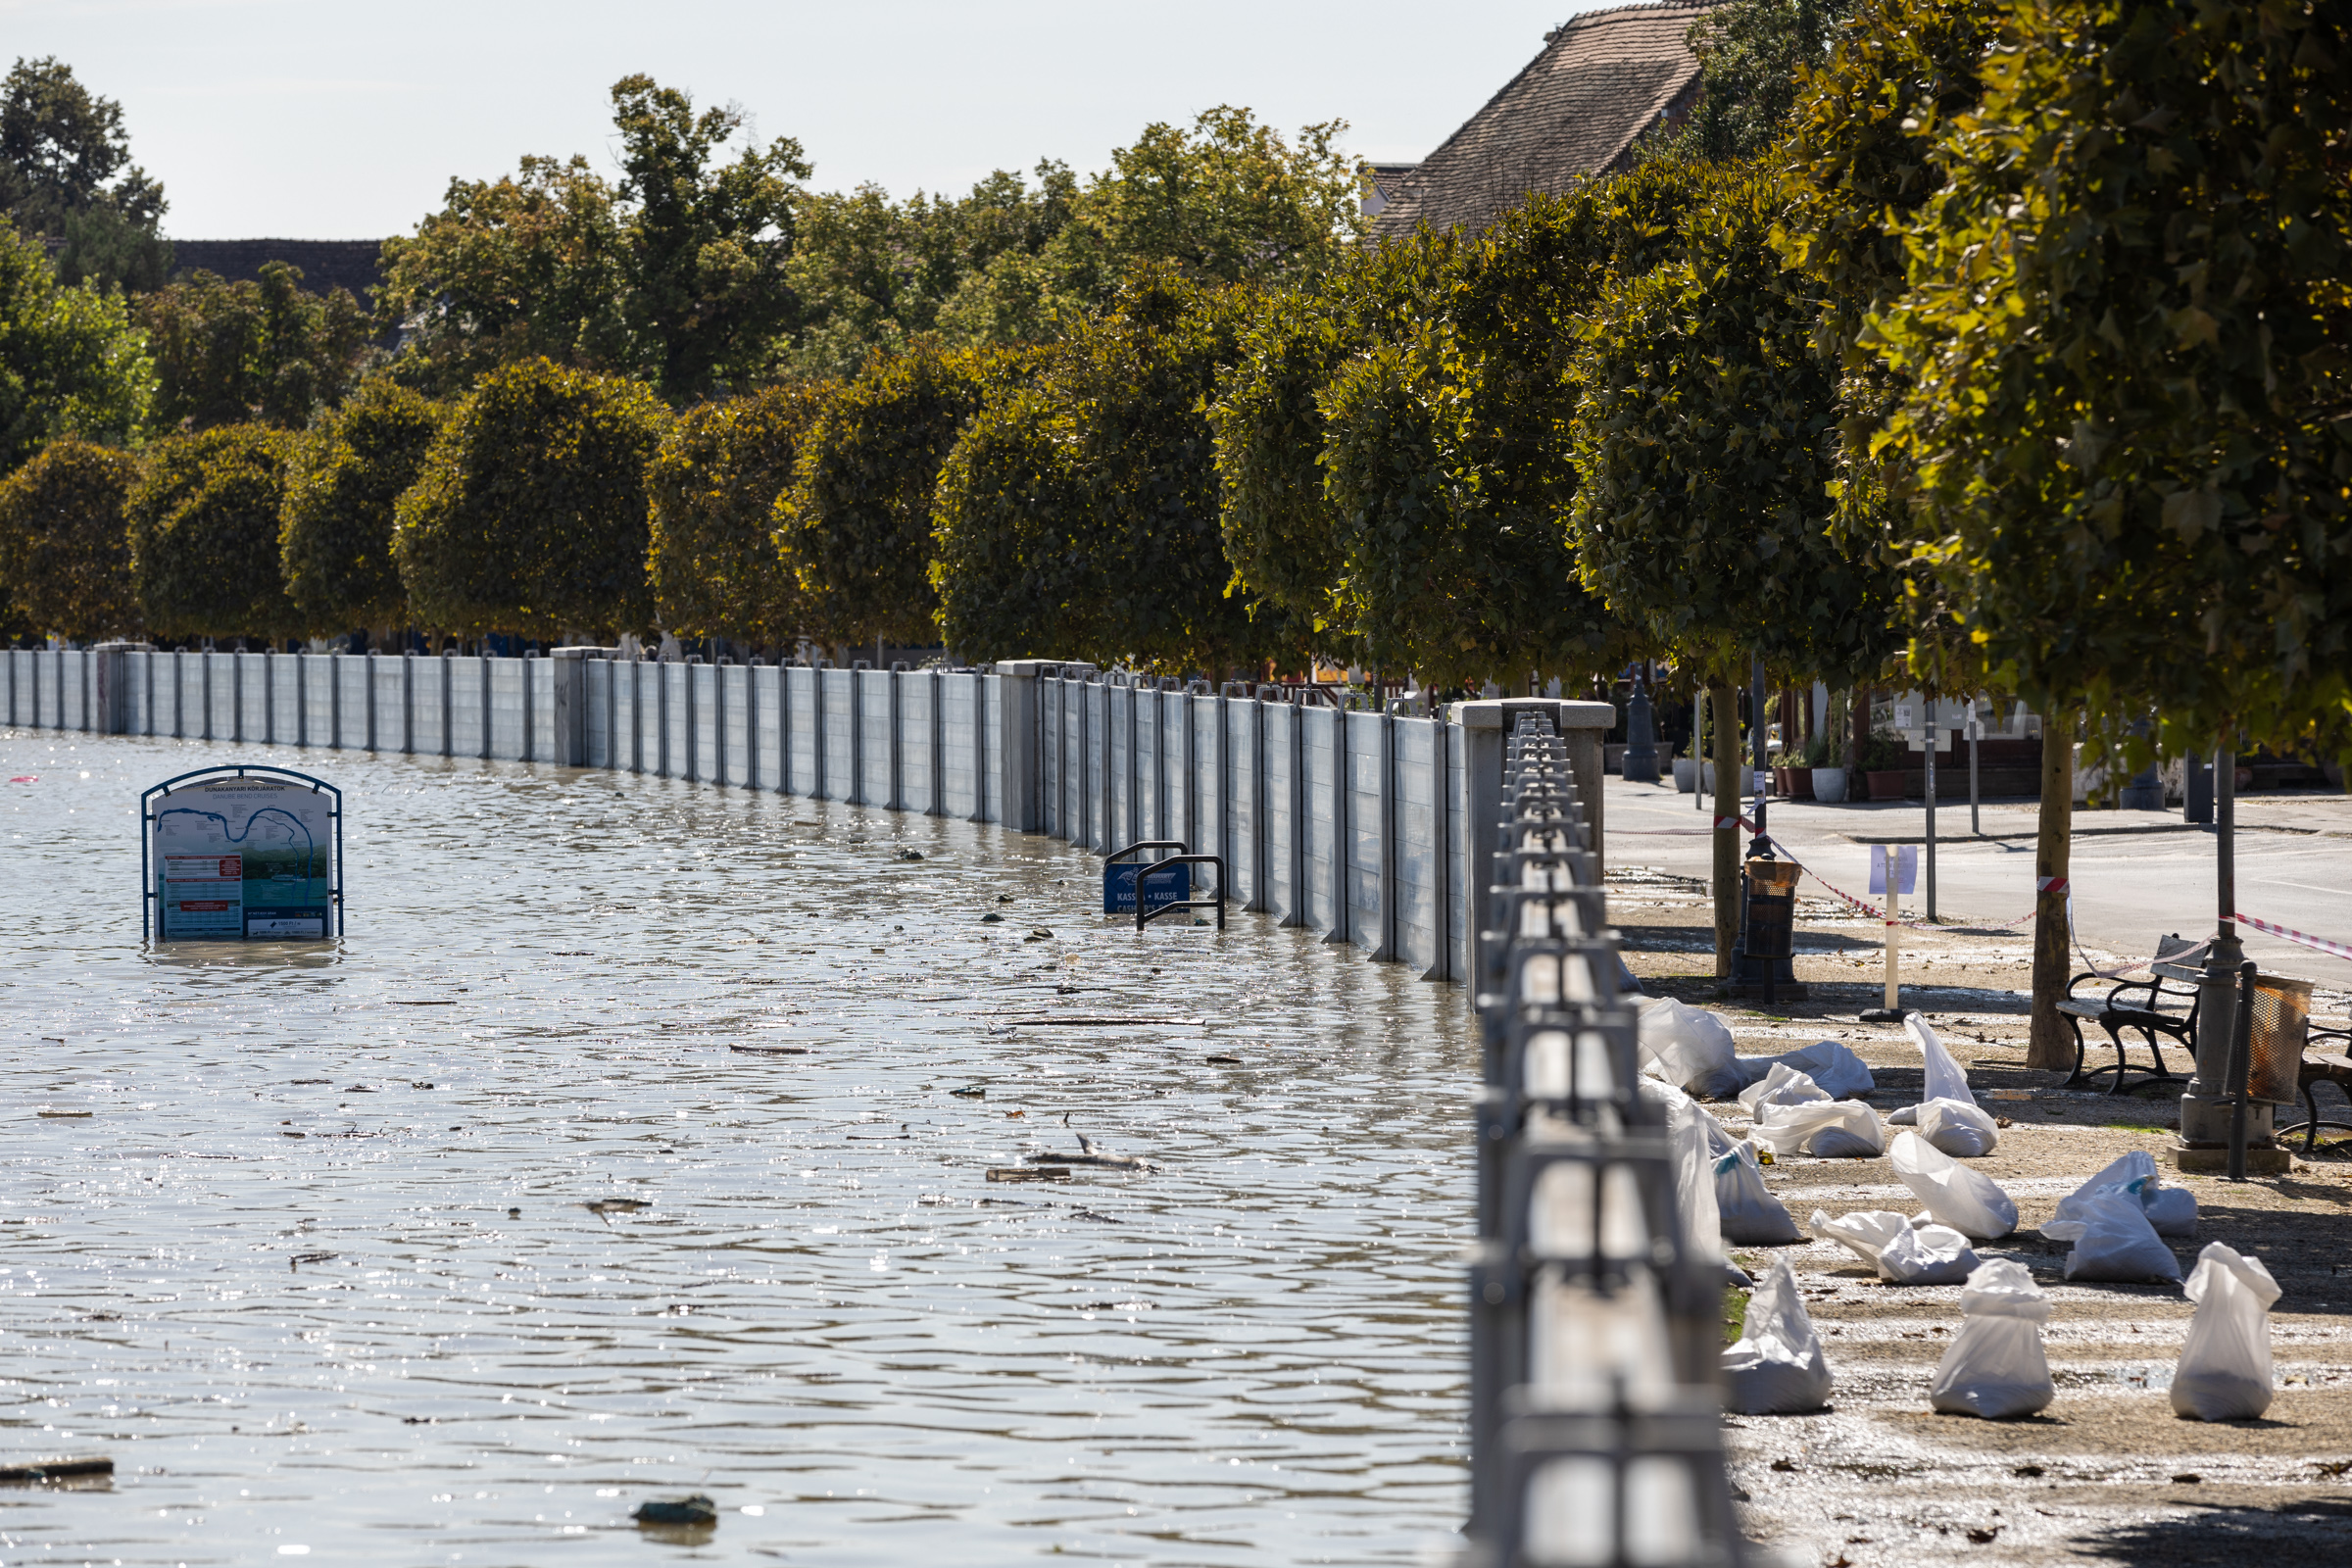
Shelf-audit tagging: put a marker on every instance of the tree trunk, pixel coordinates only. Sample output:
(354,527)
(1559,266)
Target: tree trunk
(1857,726)
(2050,1045)
(1723,706)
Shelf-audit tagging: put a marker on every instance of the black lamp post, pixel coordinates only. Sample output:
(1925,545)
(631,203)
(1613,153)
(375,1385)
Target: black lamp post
(1763,961)
(1640,764)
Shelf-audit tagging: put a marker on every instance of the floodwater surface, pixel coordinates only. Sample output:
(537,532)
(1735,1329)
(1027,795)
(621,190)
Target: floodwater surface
(457,1239)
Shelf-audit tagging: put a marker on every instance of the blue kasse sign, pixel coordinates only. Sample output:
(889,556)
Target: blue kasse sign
(1172,886)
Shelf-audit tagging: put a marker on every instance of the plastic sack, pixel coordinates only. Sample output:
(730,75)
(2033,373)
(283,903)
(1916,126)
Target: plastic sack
(1962,1128)
(2224,1369)
(1747,1212)
(1996,1367)
(1688,1048)
(1968,1202)
(2172,1211)
(1782,1085)
(1839,1073)
(1777,1367)
(1903,1253)
(1945,1078)
(1693,1169)
(2113,1239)
(1827,1129)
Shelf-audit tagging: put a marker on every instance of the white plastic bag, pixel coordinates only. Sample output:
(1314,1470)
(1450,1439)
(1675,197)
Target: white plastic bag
(1689,1048)
(1968,1202)
(1782,1085)
(1777,1367)
(1902,1252)
(1747,1213)
(1839,1071)
(1962,1128)
(2173,1210)
(2225,1370)
(1827,1129)
(1693,1171)
(1945,1078)
(2113,1239)
(1996,1367)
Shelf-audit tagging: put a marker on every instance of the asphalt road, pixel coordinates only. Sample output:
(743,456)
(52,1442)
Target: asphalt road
(2136,875)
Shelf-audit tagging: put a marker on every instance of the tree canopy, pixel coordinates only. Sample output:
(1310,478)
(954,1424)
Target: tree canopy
(65,559)
(66,172)
(253,351)
(2123,344)
(712,556)
(71,361)
(343,479)
(203,534)
(530,517)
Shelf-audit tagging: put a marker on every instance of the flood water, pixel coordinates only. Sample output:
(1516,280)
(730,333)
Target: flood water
(300,1235)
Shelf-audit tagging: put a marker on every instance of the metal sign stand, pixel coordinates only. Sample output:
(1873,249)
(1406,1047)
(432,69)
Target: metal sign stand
(152,804)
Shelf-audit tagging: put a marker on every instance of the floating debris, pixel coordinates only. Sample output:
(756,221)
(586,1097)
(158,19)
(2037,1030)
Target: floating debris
(300,1258)
(1041,934)
(1090,1154)
(57,1114)
(451,1003)
(1224,1061)
(911,854)
(614,1206)
(992,918)
(970,1092)
(57,1469)
(772,1050)
(1029,1173)
(513,1214)
(695,1510)
(1006,897)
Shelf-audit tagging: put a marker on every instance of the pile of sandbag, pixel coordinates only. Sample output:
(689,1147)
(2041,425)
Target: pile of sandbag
(1833,1069)
(1904,1252)
(1777,1367)
(1948,1114)
(2171,1210)
(1747,1212)
(1996,1367)
(1691,1048)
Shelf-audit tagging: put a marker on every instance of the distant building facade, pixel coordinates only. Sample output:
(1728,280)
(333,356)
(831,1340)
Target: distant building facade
(325,263)
(1603,79)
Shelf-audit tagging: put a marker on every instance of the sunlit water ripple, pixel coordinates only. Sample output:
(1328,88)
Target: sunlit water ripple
(274,1273)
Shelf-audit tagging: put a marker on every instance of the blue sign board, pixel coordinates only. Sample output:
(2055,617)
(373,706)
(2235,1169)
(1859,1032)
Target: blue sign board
(1172,886)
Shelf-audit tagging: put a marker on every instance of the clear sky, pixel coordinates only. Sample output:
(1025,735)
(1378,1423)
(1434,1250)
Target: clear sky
(344,121)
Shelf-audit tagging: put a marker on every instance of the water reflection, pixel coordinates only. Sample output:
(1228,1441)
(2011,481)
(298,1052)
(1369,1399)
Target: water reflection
(321,1269)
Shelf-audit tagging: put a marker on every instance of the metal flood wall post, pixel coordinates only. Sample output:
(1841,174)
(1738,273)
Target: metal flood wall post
(482,674)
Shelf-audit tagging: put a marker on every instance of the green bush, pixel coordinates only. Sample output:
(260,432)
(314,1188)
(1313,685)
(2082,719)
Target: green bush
(530,517)
(64,560)
(204,519)
(856,527)
(71,361)
(335,538)
(714,482)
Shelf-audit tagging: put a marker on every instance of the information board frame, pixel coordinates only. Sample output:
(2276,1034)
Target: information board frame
(152,804)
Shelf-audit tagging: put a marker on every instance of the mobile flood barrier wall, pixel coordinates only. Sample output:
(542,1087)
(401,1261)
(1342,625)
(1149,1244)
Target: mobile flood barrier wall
(1364,828)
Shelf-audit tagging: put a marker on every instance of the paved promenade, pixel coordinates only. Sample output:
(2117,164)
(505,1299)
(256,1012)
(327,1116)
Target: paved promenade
(2137,875)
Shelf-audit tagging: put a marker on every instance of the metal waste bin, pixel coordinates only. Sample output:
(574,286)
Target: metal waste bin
(2281,1025)
(1772,908)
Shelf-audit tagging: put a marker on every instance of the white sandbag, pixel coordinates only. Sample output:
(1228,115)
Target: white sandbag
(2173,1210)
(1926,1255)
(1688,1048)
(1827,1129)
(1838,1072)
(1782,1085)
(1996,1367)
(2113,1239)
(1962,1128)
(1967,1201)
(2225,1368)
(1903,1253)
(1777,1367)
(1945,1078)
(1747,1212)
(1694,1174)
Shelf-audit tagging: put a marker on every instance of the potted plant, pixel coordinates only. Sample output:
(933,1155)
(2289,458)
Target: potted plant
(1885,759)
(1828,783)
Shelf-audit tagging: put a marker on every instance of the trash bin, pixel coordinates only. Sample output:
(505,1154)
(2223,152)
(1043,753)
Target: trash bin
(2282,1024)
(1772,908)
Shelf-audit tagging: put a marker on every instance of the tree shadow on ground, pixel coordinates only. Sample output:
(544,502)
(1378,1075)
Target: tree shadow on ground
(2226,1535)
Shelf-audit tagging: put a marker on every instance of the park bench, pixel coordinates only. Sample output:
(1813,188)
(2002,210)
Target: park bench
(2141,1004)
(2322,1068)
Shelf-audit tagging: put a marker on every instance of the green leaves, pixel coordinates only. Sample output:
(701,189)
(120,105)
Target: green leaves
(71,361)
(343,479)
(714,484)
(65,561)
(262,351)
(204,518)
(530,517)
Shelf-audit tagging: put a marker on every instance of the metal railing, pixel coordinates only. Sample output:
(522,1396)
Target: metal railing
(1595,1332)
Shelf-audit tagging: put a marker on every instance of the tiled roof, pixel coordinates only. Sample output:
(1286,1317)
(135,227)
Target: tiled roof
(325,263)
(1603,78)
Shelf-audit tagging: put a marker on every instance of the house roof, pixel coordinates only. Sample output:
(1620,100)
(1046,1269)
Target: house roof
(1601,79)
(325,263)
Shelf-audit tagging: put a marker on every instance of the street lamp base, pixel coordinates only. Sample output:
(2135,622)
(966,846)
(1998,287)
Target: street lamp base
(2262,1159)
(1884,1014)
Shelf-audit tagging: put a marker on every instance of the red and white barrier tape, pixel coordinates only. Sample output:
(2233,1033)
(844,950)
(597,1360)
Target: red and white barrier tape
(2333,949)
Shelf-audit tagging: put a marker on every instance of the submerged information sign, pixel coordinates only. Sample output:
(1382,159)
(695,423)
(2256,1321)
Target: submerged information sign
(244,853)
